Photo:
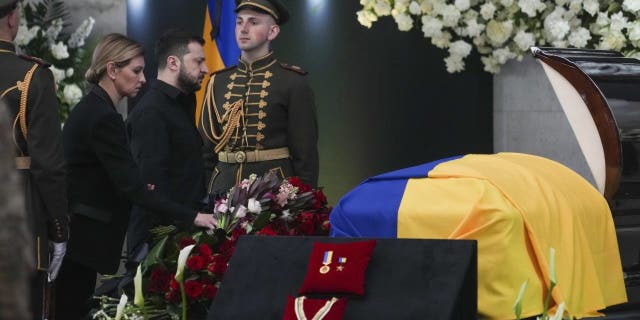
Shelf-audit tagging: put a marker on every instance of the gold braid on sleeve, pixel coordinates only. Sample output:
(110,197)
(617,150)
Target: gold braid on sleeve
(230,119)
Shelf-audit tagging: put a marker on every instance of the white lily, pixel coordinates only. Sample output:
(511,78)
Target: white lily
(138,299)
(182,260)
(120,307)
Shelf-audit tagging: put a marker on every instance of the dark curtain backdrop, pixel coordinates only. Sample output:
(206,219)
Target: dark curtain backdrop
(385,100)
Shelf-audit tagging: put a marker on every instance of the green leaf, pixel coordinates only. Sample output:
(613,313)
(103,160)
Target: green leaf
(261,221)
(517,307)
(155,255)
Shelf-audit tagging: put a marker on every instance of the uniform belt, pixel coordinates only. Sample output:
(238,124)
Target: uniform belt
(253,155)
(23,163)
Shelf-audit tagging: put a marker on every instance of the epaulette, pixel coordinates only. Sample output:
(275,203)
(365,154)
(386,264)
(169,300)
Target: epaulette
(293,68)
(36,60)
(223,70)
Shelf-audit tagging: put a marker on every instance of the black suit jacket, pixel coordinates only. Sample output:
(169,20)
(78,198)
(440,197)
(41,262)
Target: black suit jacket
(103,182)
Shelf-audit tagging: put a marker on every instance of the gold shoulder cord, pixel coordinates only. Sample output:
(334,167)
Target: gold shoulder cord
(232,117)
(22,113)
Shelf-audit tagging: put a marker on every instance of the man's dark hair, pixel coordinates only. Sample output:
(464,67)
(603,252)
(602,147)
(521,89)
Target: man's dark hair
(174,42)
(8,8)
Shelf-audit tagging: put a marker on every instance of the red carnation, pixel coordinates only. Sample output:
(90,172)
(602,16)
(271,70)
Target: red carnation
(204,250)
(195,263)
(302,187)
(193,288)
(320,199)
(173,284)
(186,241)
(237,232)
(160,280)
(209,291)
(218,265)
(267,231)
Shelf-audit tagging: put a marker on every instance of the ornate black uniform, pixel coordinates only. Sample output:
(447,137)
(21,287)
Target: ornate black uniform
(28,88)
(258,117)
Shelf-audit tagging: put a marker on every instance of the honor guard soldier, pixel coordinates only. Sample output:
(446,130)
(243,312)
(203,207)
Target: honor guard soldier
(259,115)
(28,89)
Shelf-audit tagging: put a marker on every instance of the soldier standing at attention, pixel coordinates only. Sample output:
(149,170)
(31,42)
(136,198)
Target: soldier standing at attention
(28,89)
(259,115)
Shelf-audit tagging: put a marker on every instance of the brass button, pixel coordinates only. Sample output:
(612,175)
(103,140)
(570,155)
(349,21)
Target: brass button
(240,156)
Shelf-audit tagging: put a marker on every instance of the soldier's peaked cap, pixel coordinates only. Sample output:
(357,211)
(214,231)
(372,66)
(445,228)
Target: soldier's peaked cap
(274,8)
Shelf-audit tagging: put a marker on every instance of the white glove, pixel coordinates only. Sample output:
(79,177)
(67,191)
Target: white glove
(58,250)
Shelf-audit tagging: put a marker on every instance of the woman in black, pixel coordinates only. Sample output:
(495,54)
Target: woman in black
(103,179)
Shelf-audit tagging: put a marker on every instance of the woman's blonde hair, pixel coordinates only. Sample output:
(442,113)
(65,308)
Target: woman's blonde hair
(114,48)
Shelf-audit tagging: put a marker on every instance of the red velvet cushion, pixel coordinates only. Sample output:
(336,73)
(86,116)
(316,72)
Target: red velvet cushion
(343,268)
(311,306)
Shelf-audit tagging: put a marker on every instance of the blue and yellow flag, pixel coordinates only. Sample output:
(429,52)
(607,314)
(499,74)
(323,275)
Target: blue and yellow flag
(517,207)
(220,48)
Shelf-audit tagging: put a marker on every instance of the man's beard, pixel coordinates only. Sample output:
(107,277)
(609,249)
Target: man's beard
(186,83)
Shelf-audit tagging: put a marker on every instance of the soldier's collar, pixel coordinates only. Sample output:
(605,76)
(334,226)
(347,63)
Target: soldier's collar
(244,66)
(7,46)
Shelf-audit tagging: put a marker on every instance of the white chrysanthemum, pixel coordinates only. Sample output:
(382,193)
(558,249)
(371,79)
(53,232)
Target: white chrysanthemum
(561,2)
(462,5)
(454,64)
(59,50)
(25,34)
(54,30)
(524,40)
(382,8)
(72,94)
(69,72)
(364,17)
(579,37)
(612,41)
(499,32)
(82,32)
(490,64)
(502,55)
(591,6)
(426,7)
(618,22)
(603,19)
(634,31)
(474,28)
(460,49)
(506,3)
(631,5)
(401,6)
(58,74)
(441,40)
(414,8)
(404,21)
(555,26)
(575,6)
(450,15)
(559,43)
(531,7)
(487,10)
(431,26)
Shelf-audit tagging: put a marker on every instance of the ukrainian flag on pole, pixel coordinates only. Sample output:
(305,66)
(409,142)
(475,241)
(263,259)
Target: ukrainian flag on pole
(220,48)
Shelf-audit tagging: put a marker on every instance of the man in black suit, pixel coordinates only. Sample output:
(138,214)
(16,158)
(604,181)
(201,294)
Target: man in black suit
(28,89)
(164,140)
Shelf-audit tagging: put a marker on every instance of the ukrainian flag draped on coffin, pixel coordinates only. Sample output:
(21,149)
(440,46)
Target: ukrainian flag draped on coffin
(220,48)
(517,207)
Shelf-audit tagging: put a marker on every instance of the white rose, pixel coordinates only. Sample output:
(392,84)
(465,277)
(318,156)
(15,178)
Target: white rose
(382,8)
(618,22)
(613,41)
(460,48)
(462,5)
(524,40)
(531,7)
(450,15)
(579,37)
(441,40)
(404,21)
(59,51)
(499,32)
(431,26)
(414,8)
(454,64)
(254,206)
(69,72)
(58,74)
(487,10)
(631,5)
(72,94)
(634,31)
